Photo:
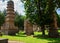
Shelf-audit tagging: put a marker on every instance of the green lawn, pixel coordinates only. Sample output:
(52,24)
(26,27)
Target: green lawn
(31,39)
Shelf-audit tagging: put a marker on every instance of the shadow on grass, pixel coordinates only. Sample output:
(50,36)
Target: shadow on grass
(51,40)
(21,35)
(56,41)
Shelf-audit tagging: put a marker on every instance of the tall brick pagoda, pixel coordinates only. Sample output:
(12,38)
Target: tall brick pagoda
(9,28)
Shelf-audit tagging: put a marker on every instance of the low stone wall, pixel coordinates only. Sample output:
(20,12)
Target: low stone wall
(3,40)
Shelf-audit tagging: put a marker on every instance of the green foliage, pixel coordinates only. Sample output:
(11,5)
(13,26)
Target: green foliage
(58,20)
(19,21)
(36,11)
(40,11)
(4,12)
(2,18)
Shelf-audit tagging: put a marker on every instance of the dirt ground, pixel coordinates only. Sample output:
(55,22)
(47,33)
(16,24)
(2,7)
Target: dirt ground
(14,42)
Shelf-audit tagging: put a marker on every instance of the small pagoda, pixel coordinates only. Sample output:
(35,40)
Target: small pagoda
(8,27)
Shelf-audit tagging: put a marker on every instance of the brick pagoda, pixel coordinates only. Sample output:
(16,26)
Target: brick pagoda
(9,28)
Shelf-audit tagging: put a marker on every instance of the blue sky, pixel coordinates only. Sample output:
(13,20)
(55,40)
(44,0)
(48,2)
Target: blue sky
(58,11)
(18,5)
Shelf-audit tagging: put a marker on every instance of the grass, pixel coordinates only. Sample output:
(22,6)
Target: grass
(30,39)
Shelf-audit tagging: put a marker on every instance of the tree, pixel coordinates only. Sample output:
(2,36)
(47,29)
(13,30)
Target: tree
(42,12)
(4,12)
(58,16)
(41,6)
(29,10)
(36,12)
(2,19)
(53,32)
(19,21)
(58,20)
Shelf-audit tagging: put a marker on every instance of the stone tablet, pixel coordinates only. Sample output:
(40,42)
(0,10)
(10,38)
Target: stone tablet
(3,40)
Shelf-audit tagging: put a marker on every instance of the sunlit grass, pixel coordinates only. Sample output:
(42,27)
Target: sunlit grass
(30,39)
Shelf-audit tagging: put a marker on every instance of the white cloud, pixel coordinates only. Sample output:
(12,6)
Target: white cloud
(18,5)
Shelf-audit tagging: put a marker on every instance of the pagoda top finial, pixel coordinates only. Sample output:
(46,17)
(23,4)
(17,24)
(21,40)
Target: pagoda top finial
(10,0)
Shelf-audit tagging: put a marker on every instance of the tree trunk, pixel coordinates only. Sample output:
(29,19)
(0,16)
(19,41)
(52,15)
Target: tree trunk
(0,31)
(43,30)
(0,28)
(53,31)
